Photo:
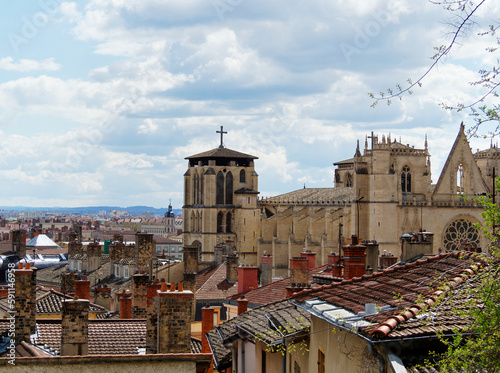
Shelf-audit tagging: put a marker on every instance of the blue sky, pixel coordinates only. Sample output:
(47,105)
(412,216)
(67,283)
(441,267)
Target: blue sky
(101,100)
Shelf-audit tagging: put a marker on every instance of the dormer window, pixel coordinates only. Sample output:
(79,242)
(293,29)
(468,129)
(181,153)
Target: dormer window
(406,180)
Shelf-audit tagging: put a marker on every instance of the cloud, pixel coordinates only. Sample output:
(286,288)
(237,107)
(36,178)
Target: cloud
(147,127)
(25,65)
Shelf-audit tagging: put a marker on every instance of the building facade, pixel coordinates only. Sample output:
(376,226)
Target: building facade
(378,195)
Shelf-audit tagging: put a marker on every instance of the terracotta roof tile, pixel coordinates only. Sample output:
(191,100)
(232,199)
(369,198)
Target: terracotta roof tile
(216,287)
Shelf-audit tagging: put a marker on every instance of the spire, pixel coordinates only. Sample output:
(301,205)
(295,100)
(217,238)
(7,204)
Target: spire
(366,142)
(425,144)
(389,138)
(358,153)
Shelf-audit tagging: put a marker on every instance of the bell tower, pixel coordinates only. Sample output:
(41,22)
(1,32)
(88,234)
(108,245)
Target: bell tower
(220,202)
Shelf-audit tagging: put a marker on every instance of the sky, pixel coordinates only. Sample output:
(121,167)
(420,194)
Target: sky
(102,100)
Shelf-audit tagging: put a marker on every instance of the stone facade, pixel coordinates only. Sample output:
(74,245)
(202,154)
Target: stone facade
(381,193)
(144,251)
(24,305)
(139,299)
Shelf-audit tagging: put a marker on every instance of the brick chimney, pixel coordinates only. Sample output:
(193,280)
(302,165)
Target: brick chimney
(266,270)
(102,297)
(232,268)
(144,250)
(354,259)
(24,306)
(74,248)
(139,297)
(299,275)
(311,257)
(74,327)
(247,278)
(125,302)
(68,282)
(174,316)
(191,255)
(151,315)
(242,305)
(387,259)
(335,262)
(82,288)
(18,239)
(207,324)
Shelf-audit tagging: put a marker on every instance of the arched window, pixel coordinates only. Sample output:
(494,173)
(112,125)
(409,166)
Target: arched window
(406,180)
(186,192)
(460,179)
(219,222)
(229,188)
(348,180)
(219,198)
(242,176)
(228,223)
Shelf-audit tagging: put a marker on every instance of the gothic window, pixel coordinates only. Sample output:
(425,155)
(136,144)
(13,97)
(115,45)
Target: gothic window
(348,180)
(460,232)
(242,176)
(201,189)
(219,198)
(228,223)
(186,191)
(406,180)
(229,188)
(460,179)
(195,189)
(219,222)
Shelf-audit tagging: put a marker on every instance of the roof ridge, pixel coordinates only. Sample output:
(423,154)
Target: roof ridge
(385,327)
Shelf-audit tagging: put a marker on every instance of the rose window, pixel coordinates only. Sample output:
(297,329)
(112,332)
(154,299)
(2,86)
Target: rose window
(460,232)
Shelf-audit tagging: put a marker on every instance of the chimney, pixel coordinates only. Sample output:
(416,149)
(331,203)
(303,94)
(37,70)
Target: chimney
(311,257)
(82,289)
(74,248)
(19,242)
(24,306)
(387,260)
(93,256)
(151,318)
(207,324)
(139,297)
(232,268)
(247,278)
(74,327)
(335,263)
(144,250)
(372,254)
(191,255)
(102,297)
(118,238)
(242,305)
(125,305)
(174,316)
(354,260)
(266,270)
(299,275)
(68,282)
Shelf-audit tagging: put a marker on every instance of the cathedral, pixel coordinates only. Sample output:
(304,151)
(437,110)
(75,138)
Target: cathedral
(379,195)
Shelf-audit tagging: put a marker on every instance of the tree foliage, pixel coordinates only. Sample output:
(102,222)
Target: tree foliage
(477,348)
(463,21)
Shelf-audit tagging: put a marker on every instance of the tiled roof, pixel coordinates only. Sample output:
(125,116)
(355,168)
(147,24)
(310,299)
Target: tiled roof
(51,303)
(403,291)
(221,153)
(204,275)
(106,337)
(313,196)
(216,286)
(274,291)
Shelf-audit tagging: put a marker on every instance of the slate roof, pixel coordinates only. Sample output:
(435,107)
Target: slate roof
(222,153)
(314,195)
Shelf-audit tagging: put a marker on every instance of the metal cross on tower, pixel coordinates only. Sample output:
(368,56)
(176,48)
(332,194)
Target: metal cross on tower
(222,132)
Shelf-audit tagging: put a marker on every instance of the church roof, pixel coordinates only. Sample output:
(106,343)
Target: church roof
(222,153)
(314,196)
